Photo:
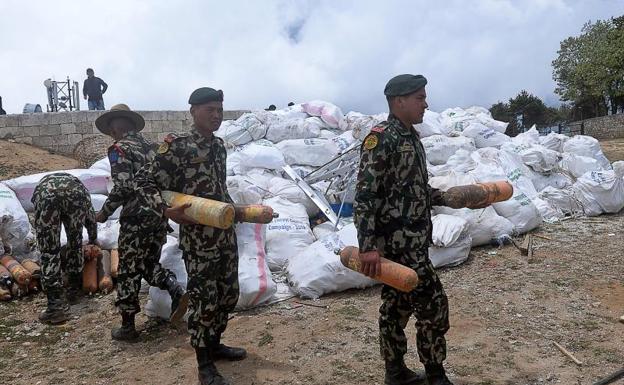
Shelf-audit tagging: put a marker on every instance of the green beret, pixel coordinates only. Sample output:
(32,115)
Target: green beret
(404,84)
(205,95)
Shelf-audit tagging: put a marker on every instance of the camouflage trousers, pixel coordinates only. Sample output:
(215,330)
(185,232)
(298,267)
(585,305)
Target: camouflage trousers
(427,302)
(50,213)
(140,243)
(213,293)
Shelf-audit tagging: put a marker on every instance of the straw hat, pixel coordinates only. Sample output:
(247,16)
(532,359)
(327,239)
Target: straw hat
(118,111)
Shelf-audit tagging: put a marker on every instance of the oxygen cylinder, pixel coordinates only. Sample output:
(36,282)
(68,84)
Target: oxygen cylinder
(5,293)
(204,211)
(91,252)
(477,196)
(20,275)
(114,256)
(391,273)
(89,274)
(32,267)
(254,213)
(105,282)
(5,277)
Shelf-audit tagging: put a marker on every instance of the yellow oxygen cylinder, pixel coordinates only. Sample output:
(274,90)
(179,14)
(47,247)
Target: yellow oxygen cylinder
(20,275)
(204,211)
(391,273)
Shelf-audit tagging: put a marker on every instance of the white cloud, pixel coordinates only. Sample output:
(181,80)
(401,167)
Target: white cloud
(154,53)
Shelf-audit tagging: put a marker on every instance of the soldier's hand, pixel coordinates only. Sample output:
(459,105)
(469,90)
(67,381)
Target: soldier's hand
(100,217)
(371,265)
(177,215)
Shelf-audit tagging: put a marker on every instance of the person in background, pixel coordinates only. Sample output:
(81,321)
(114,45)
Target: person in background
(93,89)
(2,111)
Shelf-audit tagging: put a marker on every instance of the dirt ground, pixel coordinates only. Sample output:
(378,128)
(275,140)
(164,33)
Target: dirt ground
(21,159)
(506,312)
(613,149)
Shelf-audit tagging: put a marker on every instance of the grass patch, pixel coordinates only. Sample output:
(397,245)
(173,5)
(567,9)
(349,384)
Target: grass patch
(351,312)
(265,339)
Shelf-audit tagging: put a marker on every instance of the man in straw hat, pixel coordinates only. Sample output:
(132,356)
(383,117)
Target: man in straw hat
(195,164)
(142,232)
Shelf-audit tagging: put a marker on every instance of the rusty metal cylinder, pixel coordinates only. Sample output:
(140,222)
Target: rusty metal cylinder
(19,273)
(32,267)
(204,211)
(391,273)
(5,293)
(91,252)
(477,196)
(255,213)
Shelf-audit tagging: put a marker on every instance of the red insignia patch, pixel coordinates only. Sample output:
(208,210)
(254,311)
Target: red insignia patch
(118,150)
(378,129)
(169,138)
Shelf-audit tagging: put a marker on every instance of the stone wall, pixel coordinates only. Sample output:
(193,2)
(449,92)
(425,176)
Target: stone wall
(604,127)
(61,131)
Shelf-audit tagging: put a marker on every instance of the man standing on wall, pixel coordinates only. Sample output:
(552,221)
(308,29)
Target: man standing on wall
(93,89)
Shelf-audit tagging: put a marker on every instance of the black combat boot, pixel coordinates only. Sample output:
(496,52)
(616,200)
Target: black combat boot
(399,374)
(179,299)
(436,375)
(224,352)
(55,313)
(127,331)
(206,370)
(74,286)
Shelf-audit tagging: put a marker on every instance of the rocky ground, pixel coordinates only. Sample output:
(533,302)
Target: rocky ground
(507,310)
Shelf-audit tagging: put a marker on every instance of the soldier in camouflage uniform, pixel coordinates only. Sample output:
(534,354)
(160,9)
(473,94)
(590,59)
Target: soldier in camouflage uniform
(195,165)
(61,198)
(393,218)
(142,233)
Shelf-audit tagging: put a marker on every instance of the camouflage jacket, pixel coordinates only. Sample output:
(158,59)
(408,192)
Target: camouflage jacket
(67,187)
(393,197)
(126,158)
(193,165)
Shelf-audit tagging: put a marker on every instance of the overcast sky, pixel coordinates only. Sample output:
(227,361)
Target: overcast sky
(154,53)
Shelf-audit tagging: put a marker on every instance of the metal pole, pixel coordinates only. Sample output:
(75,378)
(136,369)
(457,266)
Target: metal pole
(69,94)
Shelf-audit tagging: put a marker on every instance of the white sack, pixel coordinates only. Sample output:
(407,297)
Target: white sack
(439,148)
(245,190)
(96,181)
(553,141)
(159,302)
(459,162)
(520,211)
(600,192)
(361,125)
(14,224)
(618,167)
(431,125)
(561,200)
(586,146)
(97,201)
(484,225)
(289,190)
(451,179)
(453,255)
(283,129)
(484,136)
(254,277)
(309,152)
(577,165)
(527,138)
(318,270)
(261,154)
(548,213)
(102,164)
(331,114)
(247,128)
(447,229)
(287,235)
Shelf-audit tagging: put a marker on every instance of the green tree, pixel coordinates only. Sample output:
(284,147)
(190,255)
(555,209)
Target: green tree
(589,69)
(525,110)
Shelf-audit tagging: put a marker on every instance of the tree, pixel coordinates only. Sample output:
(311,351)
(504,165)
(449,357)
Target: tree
(525,110)
(589,69)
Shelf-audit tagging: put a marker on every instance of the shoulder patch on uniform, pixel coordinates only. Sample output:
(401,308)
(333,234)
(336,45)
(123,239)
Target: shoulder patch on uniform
(371,141)
(115,153)
(163,148)
(170,138)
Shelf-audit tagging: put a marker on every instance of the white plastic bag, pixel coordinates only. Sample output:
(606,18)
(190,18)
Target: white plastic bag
(447,229)
(520,211)
(318,270)
(577,165)
(159,302)
(553,141)
(439,148)
(618,167)
(283,129)
(14,224)
(102,164)
(600,192)
(587,146)
(287,235)
(453,255)
(484,225)
(248,127)
(289,190)
(484,136)
(261,154)
(331,114)
(254,277)
(309,152)
(95,180)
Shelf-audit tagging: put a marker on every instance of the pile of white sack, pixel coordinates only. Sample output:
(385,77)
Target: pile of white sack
(553,176)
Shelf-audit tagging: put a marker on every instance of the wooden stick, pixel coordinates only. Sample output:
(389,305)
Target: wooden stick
(543,237)
(527,244)
(567,353)
(311,304)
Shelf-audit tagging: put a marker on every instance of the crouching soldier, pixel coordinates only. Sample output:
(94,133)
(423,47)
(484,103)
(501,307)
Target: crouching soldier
(61,198)
(142,233)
